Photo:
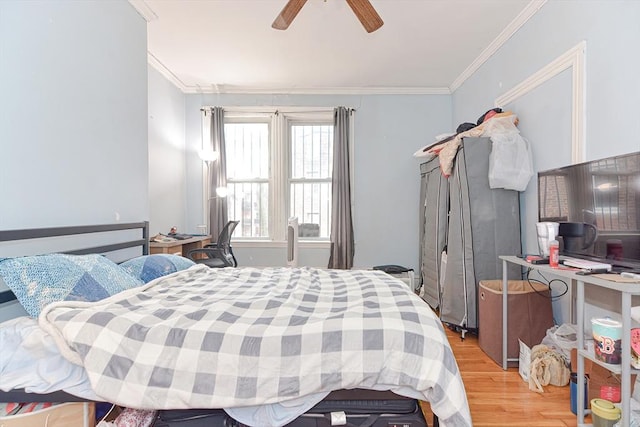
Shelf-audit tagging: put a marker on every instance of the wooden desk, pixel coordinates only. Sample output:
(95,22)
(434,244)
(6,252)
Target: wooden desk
(180,247)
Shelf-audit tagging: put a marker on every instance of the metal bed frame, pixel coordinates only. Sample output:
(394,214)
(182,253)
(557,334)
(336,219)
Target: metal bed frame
(19,395)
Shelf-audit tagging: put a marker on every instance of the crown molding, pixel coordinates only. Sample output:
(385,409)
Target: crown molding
(160,67)
(257,90)
(532,8)
(144,10)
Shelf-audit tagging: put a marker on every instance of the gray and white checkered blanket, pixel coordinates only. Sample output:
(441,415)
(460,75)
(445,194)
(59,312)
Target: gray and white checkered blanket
(215,338)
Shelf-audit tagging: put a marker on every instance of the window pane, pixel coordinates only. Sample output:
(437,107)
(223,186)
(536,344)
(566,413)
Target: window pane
(308,147)
(311,161)
(247,153)
(311,151)
(553,204)
(311,203)
(247,148)
(248,202)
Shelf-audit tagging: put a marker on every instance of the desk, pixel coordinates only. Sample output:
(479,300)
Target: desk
(626,290)
(180,247)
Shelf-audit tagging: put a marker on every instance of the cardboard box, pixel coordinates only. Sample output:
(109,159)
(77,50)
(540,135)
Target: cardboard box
(524,361)
(598,376)
(74,414)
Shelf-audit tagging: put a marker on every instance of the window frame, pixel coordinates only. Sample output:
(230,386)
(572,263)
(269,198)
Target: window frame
(302,119)
(263,119)
(279,121)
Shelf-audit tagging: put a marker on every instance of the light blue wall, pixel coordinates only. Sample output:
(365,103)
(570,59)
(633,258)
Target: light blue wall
(388,130)
(610,29)
(167,171)
(611,32)
(73,113)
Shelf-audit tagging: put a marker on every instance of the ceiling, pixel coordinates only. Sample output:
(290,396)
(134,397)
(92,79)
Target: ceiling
(424,46)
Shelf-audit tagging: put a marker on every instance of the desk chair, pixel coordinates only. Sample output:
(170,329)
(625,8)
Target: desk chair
(220,253)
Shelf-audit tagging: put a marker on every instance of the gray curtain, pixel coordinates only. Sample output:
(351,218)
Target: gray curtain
(217,173)
(342,240)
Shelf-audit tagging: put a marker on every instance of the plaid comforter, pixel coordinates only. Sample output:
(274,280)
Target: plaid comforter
(214,338)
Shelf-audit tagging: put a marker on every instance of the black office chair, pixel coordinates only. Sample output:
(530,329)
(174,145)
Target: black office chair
(220,253)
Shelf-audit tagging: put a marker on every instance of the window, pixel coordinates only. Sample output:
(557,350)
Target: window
(311,154)
(247,149)
(279,165)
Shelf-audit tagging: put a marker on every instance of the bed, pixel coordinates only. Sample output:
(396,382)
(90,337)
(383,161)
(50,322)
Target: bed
(252,341)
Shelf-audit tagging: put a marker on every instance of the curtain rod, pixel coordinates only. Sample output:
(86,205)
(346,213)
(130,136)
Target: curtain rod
(277,110)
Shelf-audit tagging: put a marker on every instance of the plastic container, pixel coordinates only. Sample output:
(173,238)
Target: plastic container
(554,253)
(607,336)
(547,231)
(604,413)
(573,384)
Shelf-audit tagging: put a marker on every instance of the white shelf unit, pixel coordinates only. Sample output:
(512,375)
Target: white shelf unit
(626,290)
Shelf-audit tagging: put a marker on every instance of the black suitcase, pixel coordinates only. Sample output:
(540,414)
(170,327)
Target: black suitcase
(360,408)
(194,418)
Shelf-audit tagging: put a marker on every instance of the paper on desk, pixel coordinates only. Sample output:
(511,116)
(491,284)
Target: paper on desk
(616,278)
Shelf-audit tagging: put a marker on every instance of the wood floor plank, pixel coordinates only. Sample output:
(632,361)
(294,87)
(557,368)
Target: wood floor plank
(499,398)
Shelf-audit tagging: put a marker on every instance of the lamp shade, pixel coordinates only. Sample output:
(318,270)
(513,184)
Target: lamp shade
(222,191)
(208,155)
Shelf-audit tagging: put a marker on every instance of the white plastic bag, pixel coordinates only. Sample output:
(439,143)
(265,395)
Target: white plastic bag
(562,338)
(510,162)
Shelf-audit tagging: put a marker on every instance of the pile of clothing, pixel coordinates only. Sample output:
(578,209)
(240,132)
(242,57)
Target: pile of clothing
(510,166)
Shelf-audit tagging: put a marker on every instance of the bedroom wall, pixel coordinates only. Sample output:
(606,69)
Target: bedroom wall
(611,124)
(73,116)
(388,130)
(167,169)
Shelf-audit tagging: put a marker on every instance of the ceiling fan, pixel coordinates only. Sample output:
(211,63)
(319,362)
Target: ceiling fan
(363,9)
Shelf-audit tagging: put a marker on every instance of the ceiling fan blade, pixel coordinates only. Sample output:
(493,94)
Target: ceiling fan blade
(367,15)
(288,13)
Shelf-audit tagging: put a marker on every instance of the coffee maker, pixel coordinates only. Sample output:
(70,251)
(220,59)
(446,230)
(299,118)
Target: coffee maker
(577,236)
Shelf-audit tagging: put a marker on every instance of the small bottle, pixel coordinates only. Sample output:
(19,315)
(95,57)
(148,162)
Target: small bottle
(554,255)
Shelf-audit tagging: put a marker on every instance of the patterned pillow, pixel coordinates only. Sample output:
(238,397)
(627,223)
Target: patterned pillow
(42,279)
(149,267)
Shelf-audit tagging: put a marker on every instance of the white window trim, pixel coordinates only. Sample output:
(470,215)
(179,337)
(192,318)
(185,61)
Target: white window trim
(288,119)
(279,118)
(302,244)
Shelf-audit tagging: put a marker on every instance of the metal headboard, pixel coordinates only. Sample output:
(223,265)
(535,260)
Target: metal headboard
(39,233)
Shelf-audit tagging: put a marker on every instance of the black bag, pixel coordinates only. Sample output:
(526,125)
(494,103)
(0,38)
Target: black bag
(483,117)
(463,127)
(392,269)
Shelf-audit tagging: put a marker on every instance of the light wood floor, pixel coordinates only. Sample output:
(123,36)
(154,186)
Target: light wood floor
(501,398)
